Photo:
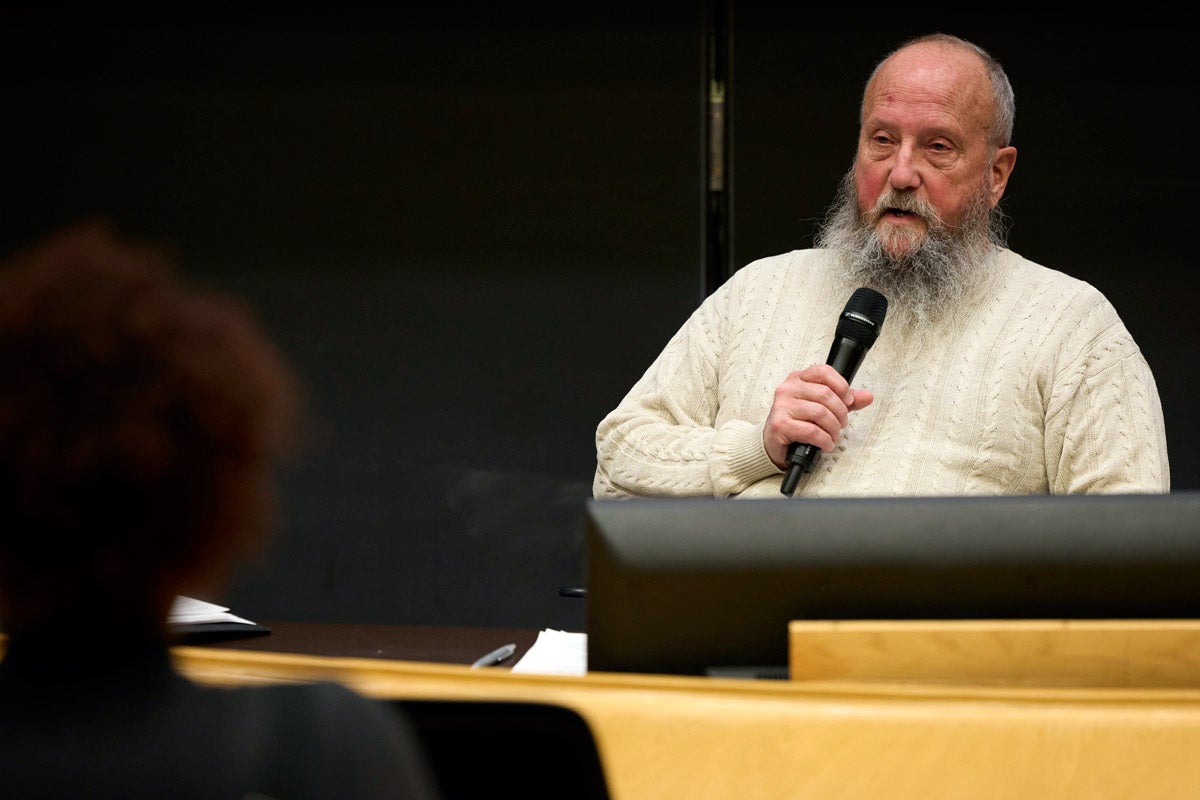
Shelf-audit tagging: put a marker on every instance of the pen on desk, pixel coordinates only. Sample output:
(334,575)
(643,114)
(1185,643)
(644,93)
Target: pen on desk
(496,656)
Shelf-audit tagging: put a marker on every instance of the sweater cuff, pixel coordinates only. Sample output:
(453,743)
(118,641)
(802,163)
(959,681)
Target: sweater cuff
(739,458)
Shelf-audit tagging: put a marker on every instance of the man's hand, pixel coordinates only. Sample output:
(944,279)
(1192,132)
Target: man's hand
(811,406)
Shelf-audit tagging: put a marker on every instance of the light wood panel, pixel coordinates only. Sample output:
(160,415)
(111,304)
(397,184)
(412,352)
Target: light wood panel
(1129,653)
(698,738)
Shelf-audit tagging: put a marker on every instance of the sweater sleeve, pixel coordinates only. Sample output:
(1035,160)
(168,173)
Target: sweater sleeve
(1104,422)
(663,439)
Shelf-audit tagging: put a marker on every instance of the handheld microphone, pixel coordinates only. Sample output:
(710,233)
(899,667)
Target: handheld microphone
(857,329)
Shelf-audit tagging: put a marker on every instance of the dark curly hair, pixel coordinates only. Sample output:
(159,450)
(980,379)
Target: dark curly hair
(141,422)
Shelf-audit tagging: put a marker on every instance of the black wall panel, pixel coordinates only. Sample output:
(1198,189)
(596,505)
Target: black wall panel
(470,230)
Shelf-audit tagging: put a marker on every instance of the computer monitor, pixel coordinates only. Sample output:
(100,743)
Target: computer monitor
(708,586)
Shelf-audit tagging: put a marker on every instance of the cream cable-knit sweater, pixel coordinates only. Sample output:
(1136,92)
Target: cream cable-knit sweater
(1037,389)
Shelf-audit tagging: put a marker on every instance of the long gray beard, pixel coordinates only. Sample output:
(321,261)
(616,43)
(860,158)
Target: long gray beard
(931,278)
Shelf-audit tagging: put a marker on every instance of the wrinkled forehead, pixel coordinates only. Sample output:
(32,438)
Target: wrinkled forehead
(934,75)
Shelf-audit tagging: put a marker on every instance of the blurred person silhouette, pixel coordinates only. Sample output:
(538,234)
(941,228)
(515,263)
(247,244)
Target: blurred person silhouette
(142,420)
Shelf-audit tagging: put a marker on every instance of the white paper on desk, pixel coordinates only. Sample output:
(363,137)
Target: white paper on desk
(189,610)
(555,653)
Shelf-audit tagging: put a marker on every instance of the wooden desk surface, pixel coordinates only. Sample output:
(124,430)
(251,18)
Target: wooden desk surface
(420,643)
(720,738)
(944,731)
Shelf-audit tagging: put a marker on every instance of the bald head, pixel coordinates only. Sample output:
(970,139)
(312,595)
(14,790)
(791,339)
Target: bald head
(977,69)
(918,213)
(928,136)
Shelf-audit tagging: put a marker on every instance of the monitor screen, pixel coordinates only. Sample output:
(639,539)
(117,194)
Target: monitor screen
(708,586)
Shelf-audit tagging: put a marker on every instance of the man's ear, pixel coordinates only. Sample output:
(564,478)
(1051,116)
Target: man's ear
(1002,166)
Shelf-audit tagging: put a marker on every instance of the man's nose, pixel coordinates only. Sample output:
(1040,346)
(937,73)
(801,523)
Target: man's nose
(904,174)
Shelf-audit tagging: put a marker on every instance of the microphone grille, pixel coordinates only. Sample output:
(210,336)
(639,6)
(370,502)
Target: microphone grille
(863,316)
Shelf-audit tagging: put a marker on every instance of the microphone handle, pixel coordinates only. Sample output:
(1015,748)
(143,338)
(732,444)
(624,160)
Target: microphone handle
(795,471)
(845,356)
